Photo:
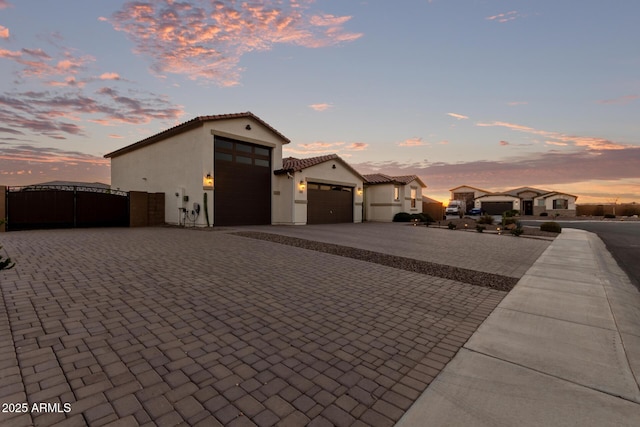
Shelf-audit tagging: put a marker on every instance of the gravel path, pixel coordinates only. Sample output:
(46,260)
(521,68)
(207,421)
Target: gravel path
(478,278)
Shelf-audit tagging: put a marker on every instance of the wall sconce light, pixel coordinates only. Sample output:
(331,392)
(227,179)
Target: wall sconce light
(359,191)
(302,186)
(333,167)
(208,180)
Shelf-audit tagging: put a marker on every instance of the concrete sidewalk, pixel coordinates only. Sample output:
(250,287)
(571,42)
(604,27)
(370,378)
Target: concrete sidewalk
(563,348)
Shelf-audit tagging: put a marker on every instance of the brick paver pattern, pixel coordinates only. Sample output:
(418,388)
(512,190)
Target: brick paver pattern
(164,326)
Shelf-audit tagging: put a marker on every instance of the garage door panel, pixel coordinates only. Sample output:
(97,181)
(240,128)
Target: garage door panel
(242,194)
(329,206)
(496,208)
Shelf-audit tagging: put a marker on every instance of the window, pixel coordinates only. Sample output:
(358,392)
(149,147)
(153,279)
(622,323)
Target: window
(396,193)
(413,197)
(561,204)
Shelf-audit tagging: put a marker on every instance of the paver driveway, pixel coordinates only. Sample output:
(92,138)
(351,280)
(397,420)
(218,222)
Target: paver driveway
(164,326)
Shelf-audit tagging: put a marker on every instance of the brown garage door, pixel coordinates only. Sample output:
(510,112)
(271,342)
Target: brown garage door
(242,183)
(496,208)
(329,204)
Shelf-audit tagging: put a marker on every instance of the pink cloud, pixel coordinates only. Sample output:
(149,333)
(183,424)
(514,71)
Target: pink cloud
(206,40)
(4,32)
(109,76)
(5,4)
(622,100)
(516,103)
(412,142)
(457,116)
(320,107)
(504,17)
(357,146)
(557,138)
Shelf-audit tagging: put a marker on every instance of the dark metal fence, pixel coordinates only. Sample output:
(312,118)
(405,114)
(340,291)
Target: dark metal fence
(65,206)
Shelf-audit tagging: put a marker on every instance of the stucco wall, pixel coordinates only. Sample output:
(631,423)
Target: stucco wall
(165,166)
(380,203)
(179,164)
(325,173)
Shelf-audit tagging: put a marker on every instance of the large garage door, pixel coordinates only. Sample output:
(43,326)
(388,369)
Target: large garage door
(496,208)
(242,182)
(329,204)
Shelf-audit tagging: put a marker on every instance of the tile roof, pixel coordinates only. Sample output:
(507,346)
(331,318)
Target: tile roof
(292,164)
(198,121)
(380,178)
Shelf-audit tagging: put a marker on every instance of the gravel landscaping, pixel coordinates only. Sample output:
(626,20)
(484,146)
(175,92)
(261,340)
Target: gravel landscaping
(488,280)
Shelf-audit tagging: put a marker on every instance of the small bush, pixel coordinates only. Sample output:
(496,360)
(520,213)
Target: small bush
(402,217)
(480,228)
(544,214)
(507,221)
(511,213)
(609,216)
(518,230)
(451,226)
(485,219)
(554,227)
(422,217)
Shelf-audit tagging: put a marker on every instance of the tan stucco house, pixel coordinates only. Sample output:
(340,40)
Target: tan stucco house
(387,195)
(526,200)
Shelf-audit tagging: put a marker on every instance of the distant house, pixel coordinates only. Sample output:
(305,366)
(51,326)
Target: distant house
(526,200)
(387,195)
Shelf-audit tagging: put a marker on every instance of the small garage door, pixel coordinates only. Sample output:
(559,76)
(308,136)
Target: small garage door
(496,208)
(242,183)
(329,204)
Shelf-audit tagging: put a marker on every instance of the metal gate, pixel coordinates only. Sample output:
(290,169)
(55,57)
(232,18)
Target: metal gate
(65,206)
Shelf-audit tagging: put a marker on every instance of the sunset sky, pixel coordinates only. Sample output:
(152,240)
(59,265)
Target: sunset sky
(494,94)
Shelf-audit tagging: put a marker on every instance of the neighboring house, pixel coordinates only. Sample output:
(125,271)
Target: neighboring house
(526,200)
(318,190)
(388,195)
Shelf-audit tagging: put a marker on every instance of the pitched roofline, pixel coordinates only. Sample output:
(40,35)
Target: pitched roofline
(468,186)
(191,124)
(329,157)
(394,179)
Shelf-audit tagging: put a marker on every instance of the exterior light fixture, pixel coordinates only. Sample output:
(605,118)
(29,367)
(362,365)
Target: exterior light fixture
(498,230)
(248,127)
(302,186)
(466,225)
(207,181)
(359,191)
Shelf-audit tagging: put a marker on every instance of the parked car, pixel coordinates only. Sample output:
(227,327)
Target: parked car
(455,207)
(475,211)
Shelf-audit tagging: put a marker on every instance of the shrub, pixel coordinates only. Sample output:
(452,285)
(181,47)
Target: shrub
(451,226)
(485,219)
(402,217)
(511,213)
(518,230)
(554,227)
(507,221)
(609,216)
(422,217)
(544,214)
(480,228)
